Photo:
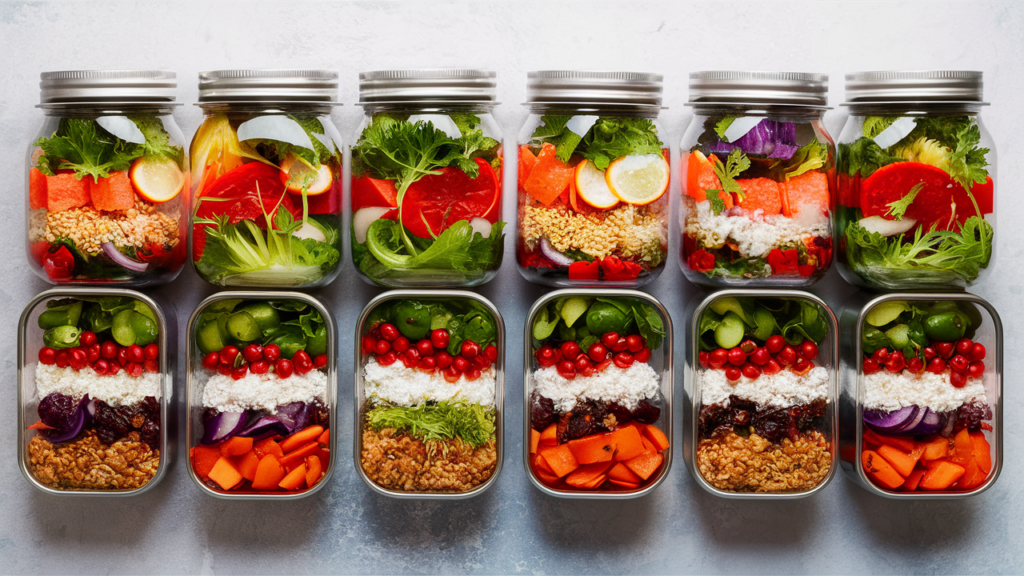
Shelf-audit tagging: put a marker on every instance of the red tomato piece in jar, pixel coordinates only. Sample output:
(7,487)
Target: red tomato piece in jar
(937,202)
(440,200)
(255,189)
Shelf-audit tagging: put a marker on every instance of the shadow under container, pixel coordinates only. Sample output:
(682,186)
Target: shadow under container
(774,228)
(852,427)
(448,207)
(267,152)
(122,221)
(660,361)
(828,358)
(362,405)
(197,378)
(591,211)
(30,340)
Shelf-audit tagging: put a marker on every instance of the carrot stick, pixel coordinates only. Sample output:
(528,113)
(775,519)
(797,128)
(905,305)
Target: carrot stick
(301,437)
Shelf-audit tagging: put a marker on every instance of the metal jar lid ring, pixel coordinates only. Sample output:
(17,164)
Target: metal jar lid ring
(915,86)
(599,88)
(749,87)
(254,85)
(90,87)
(426,86)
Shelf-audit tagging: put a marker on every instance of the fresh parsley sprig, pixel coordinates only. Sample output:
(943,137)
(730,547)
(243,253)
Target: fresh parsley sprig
(899,207)
(734,165)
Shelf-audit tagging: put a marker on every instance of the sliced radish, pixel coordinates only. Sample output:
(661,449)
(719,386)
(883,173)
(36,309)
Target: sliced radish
(887,227)
(309,231)
(482,226)
(295,173)
(363,217)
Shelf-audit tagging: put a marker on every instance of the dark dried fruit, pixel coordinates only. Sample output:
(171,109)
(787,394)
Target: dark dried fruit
(775,424)
(970,416)
(542,412)
(319,414)
(741,418)
(713,417)
(112,423)
(150,407)
(57,410)
(808,416)
(150,434)
(621,413)
(646,412)
(580,425)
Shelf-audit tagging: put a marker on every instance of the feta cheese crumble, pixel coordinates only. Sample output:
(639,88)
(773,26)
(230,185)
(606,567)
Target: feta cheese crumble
(624,387)
(782,390)
(753,233)
(884,390)
(117,390)
(410,387)
(263,391)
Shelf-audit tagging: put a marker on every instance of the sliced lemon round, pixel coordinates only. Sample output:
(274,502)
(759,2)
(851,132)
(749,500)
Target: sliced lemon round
(157,179)
(638,179)
(295,174)
(592,186)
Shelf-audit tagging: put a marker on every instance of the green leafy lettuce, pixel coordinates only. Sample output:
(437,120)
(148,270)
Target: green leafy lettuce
(608,139)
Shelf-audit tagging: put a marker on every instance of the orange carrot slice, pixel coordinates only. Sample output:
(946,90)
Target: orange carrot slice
(314,471)
(591,449)
(297,456)
(549,176)
(902,462)
(941,475)
(235,446)
(620,473)
(203,459)
(301,437)
(982,451)
(880,471)
(269,473)
(560,459)
(246,464)
(646,464)
(294,480)
(628,443)
(657,437)
(700,176)
(225,474)
(761,193)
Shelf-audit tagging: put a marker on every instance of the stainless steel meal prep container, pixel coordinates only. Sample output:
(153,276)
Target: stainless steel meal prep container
(499,390)
(851,420)
(663,365)
(828,351)
(194,392)
(167,340)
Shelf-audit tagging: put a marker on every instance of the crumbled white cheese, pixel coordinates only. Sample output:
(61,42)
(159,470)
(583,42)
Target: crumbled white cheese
(624,387)
(782,390)
(409,387)
(263,391)
(117,390)
(753,233)
(884,390)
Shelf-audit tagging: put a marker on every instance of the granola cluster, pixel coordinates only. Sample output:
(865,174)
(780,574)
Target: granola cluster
(89,228)
(86,463)
(751,463)
(398,461)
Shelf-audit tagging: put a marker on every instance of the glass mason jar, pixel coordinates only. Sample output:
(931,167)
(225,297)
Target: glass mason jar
(593,171)
(915,178)
(757,180)
(106,173)
(267,185)
(426,179)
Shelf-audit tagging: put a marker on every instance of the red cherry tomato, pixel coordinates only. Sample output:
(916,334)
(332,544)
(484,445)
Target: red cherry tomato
(284,368)
(978,351)
(473,374)
(460,364)
(733,373)
(964,346)
(47,355)
(545,356)
(470,349)
(108,350)
(451,375)
(228,355)
(387,359)
(87,338)
(425,348)
(443,359)
(101,366)
(958,379)
(389,331)
(566,370)
(382,347)
(775,344)
(135,370)
(92,353)
(702,359)
(634,343)
(570,350)
(135,354)
(211,361)
(929,352)
(151,366)
(896,362)
(623,360)
(439,338)
(976,369)
(915,365)
(491,352)
(718,357)
(643,355)
(320,361)
(737,356)
(620,345)
(750,371)
(597,352)
(936,366)
(369,344)
(236,373)
(271,352)
(582,363)
(609,339)
(870,366)
(760,356)
(301,362)
(881,355)
(809,349)
(428,364)
(945,349)
(959,363)
(151,351)
(259,367)
(253,352)
(786,356)
(401,344)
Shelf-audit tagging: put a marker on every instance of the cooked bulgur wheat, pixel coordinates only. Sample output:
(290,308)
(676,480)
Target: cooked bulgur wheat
(736,464)
(398,461)
(627,231)
(87,464)
(89,228)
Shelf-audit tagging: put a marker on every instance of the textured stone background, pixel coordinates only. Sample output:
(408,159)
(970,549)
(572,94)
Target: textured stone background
(346,528)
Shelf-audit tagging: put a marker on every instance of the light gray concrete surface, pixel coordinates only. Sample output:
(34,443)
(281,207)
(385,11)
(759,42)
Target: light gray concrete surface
(346,528)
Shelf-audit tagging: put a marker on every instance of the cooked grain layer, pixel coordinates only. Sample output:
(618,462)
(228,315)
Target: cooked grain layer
(89,228)
(397,461)
(87,464)
(627,231)
(733,463)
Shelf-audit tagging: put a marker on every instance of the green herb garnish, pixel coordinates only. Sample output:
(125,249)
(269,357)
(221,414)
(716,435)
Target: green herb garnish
(432,423)
(899,207)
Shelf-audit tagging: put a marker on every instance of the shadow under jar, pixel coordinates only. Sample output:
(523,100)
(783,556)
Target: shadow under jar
(598,394)
(429,390)
(915,176)
(105,179)
(267,182)
(761,384)
(262,395)
(426,179)
(592,174)
(921,414)
(757,177)
(95,391)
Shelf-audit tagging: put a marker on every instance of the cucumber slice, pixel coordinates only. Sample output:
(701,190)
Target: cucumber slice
(574,308)
(730,332)
(899,335)
(886,312)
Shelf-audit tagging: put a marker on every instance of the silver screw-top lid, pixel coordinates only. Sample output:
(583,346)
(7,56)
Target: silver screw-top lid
(244,86)
(102,86)
(630,89)
(912,86)
(759,88)
(442,85)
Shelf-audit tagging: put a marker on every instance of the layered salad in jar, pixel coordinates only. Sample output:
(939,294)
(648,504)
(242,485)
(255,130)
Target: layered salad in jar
(428,411)
(426,199)
(596,409)
(99,391)
(757,202)
(104,201)
(592,204)
(765,393)
(265,403)
(914,194)
(267,208)
(927,418)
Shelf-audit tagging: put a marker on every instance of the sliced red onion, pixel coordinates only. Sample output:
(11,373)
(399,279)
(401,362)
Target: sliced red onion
(890,422)
(77,421)
(293,416)
(90,407)
(114,254)
(223,426)
(908,428)
(265,425)
(929,425)
(555,256)
(947,428)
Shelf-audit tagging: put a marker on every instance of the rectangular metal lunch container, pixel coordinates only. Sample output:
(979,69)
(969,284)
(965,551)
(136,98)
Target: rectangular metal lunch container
(661,363)
(499,390)
(851,418)
(29,332)
(828,357)
(194,391)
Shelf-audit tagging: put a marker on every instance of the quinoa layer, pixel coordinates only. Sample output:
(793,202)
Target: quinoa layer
(397,461)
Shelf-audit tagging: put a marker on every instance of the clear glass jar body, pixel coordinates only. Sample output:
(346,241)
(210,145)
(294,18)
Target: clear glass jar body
(771,223)
(268,195)
(918,213)
(574,230)
(438,224)
(107,196)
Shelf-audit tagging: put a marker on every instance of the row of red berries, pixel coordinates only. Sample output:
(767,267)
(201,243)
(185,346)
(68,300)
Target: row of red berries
(231,361)
(106,359)
(963,358)
(388,346)
(750,360)
(569,360)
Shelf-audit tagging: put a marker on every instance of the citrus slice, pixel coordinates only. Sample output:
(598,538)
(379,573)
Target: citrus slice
(295,174)
(157,179)
(592,186)
(638,179)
